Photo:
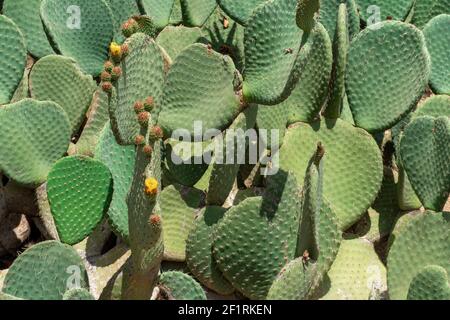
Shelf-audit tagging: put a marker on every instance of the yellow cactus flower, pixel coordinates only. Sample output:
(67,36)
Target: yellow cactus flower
(116,50)
(151,186)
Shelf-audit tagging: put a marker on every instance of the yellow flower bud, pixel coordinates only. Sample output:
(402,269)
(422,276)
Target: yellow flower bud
(151,186)
(116,50)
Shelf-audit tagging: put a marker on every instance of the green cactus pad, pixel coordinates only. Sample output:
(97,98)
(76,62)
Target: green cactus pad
(426,159)
(34,136)
(175,39)
(421,242)
(328,16)
(81,30)
(356,274)
(179,207)
(354,164)
(14,58)
(142,77)
(430,284)
(340,52)
(375,67)
(120,161)
(395,9)
(98,116)
(437,35)
(199,86)
(26,14)
(258,237)
(45,263)
(425,10)
(196,12)
(240,10)
(308,97)
(181,286)
(78,294)
(199,257)
(159,11)
(59,79)
(79,192)
(272,61)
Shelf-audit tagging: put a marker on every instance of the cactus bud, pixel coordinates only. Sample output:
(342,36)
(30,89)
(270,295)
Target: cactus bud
(105,76)
(116,51)
(155,220)
(156,133)
(125,50)
(151,186)
(148,150)
(116,73)
(138,107)
(143,118)
(130,27)
(109,66)
(149,104)
(107,86)
(139,140)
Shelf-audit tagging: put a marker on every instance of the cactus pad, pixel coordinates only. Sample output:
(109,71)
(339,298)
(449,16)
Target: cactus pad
(437,35)
(430,284)
(423,241)
(44,263)
(271,59)
(185,99)
(143,77)
(429,175)
(34,136)
(376,101)
(180,286)
(79,192)
(14,58)
(59,79)
(81,30)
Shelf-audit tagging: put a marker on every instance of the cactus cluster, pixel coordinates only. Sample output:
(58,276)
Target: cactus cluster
(337,189)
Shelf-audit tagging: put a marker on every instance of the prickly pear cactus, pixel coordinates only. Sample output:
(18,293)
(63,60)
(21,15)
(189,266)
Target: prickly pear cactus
(224,149)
